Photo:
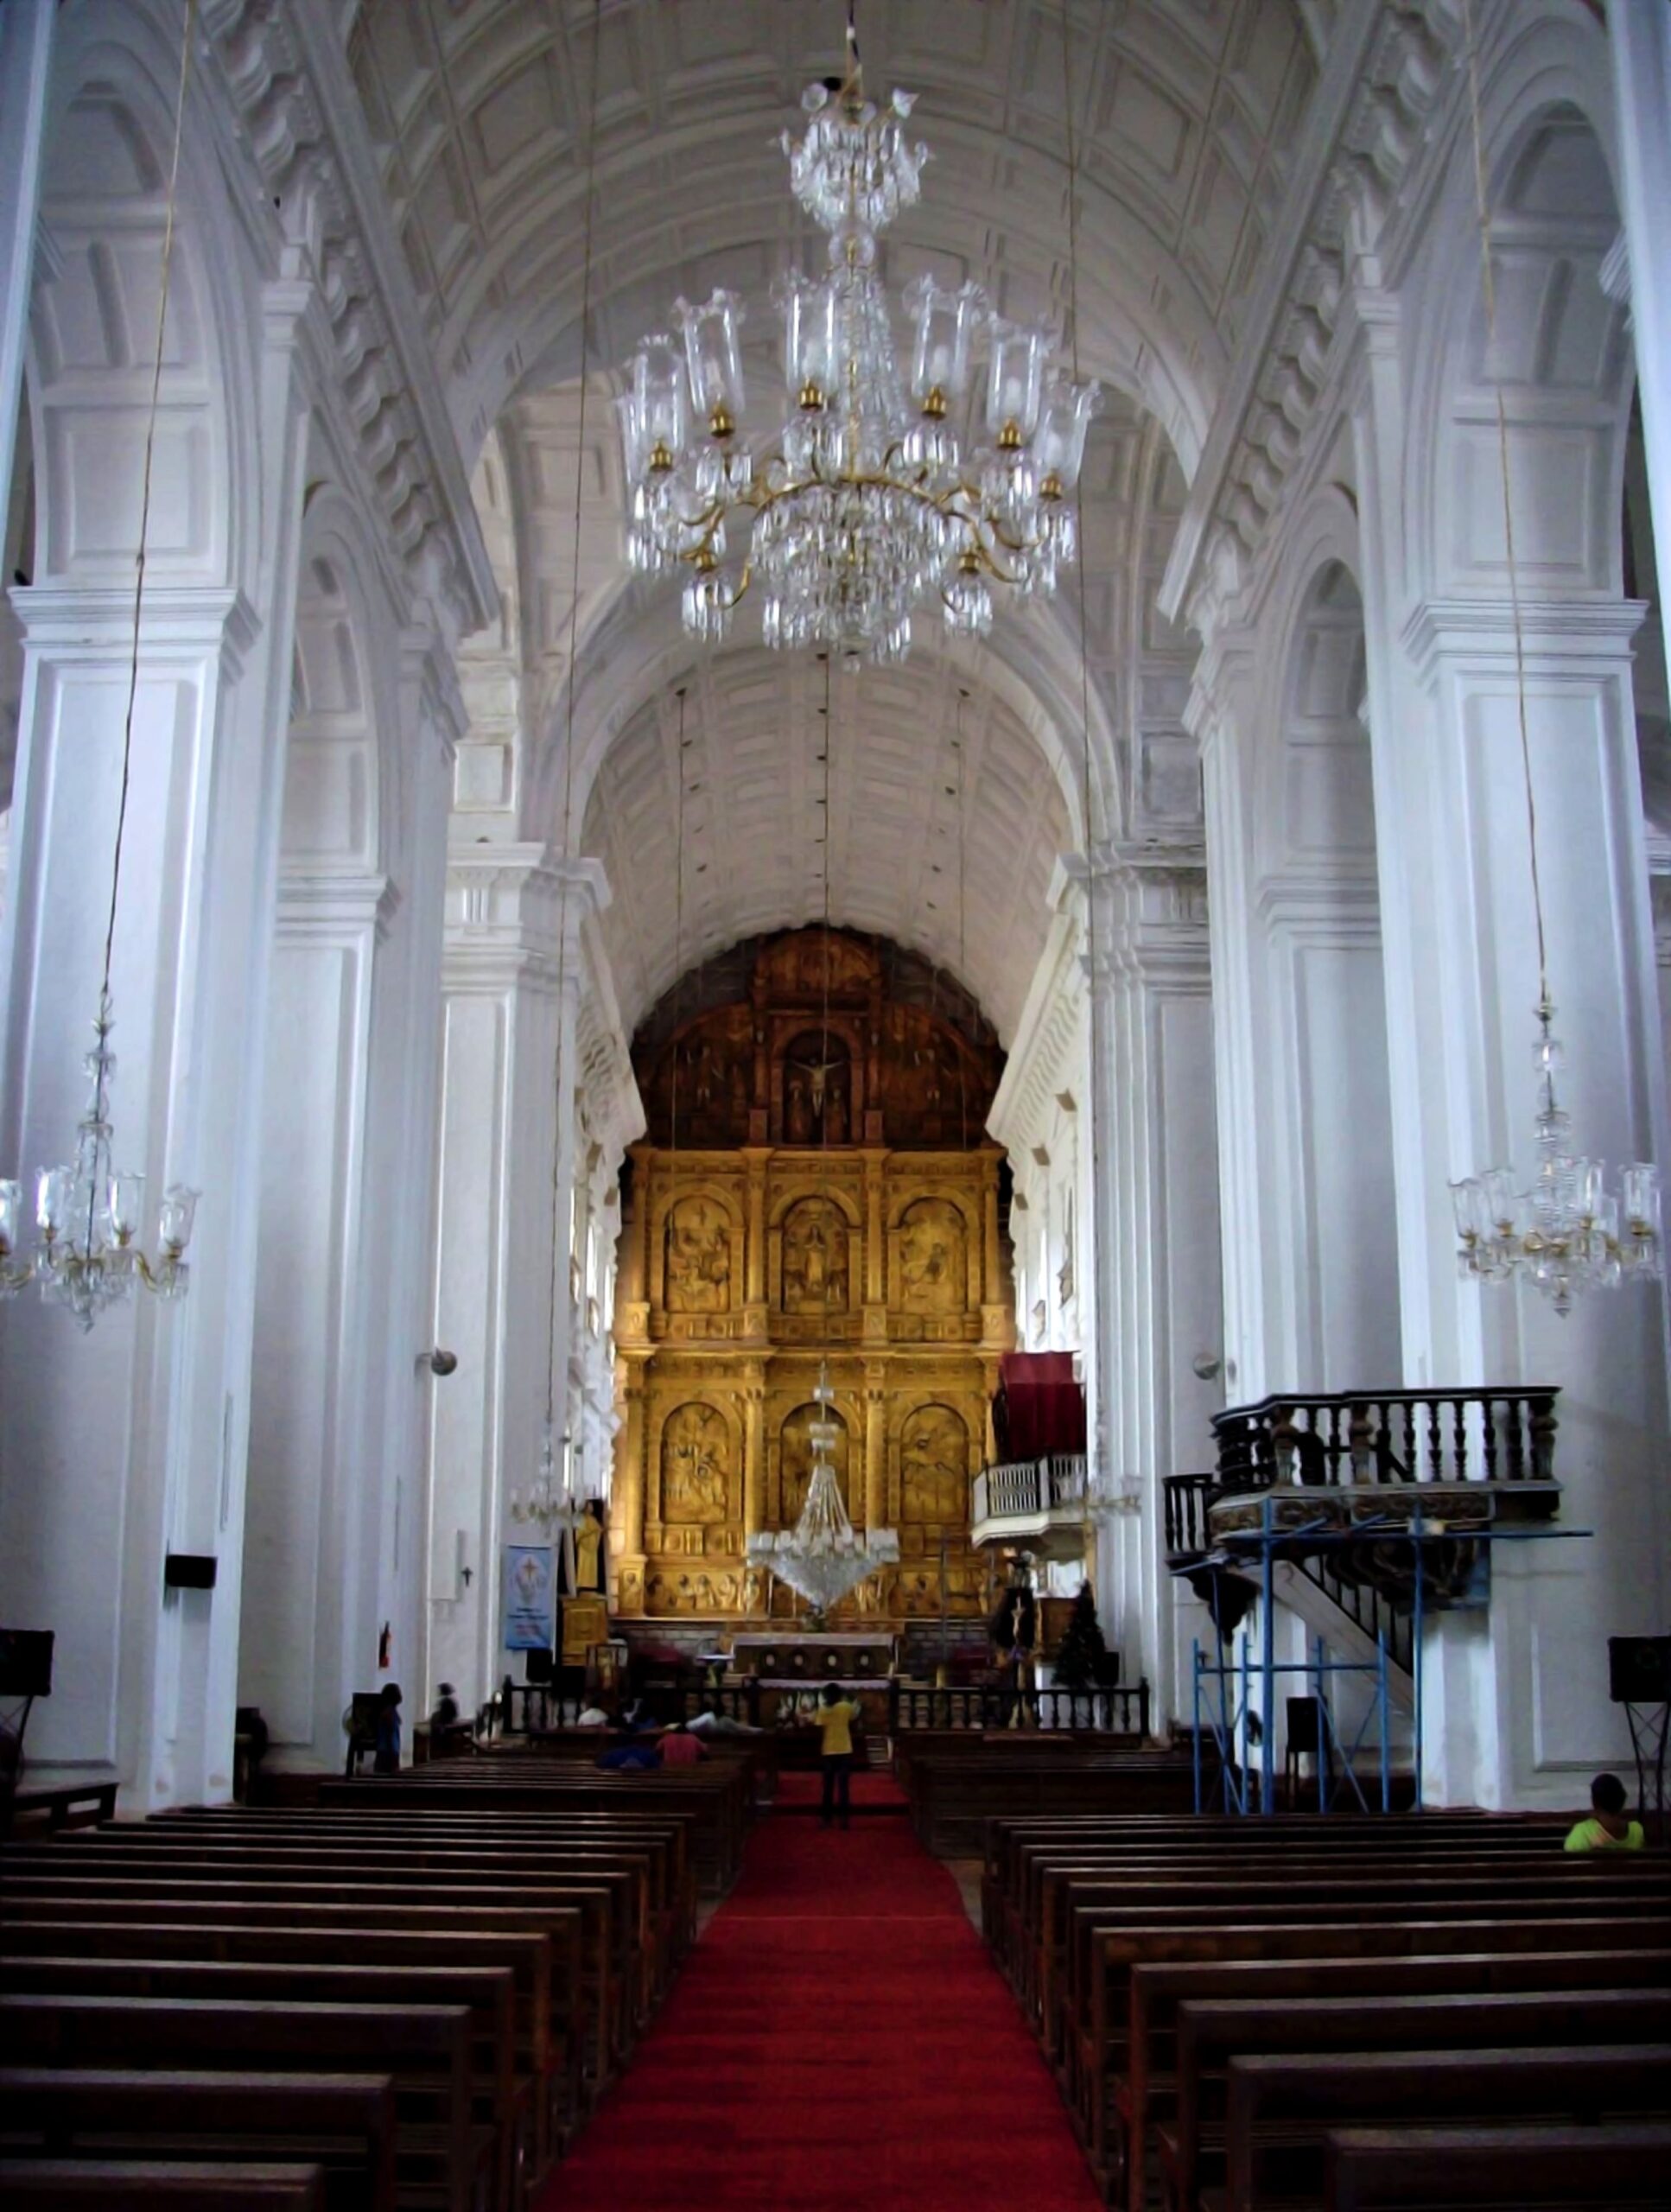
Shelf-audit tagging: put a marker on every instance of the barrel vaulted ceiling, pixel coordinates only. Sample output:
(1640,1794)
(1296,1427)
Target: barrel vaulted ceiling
(1187,114)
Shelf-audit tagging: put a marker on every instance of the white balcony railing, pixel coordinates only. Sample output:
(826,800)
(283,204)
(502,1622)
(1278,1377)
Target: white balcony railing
(1031,1490)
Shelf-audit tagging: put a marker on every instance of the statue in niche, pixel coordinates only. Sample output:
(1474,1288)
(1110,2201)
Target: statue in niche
(814,1258)
(696,1466)
(934,1465)
(698,1257)
(931,1258)
(795,1459)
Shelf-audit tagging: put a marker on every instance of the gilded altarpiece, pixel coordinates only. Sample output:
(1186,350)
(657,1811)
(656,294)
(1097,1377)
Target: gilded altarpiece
(829,1197)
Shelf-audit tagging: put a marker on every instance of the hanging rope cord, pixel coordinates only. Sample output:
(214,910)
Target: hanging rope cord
(559,1073)
(1488,284)
(145,487)
(823,1035)
(1086,793)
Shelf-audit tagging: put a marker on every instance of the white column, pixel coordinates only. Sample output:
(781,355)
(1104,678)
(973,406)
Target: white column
(1160,1271)
(1639,35)
(25,58)
(504,1108)
(1221,717)
(1527,1687)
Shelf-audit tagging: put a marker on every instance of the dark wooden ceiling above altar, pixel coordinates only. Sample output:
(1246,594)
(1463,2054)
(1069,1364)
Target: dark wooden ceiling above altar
(817,1036)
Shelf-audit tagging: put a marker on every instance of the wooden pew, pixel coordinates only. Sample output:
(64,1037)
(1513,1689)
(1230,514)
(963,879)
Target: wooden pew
(98,2185)
(501,2101)
(1559,1896)
(1279,2110)
(545,1974)
(1212,2032)
(1121,1952)
(342,2123)
(1144,2094)
(440,2156)
(605,2026)
(66,1804)
(1446,2168)
(716,1795)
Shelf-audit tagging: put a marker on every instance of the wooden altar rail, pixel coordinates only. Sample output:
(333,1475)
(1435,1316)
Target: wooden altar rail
(1122,1710)
(1354,1437)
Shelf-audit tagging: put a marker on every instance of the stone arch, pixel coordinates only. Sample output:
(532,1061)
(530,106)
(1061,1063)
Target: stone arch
(93,327)
(1325,1056)
(1562,355)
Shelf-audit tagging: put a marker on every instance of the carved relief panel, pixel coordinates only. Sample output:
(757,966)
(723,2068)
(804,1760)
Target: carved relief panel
(795,1461)
(698,1256)
(934,1467)
(931,1258)
(697,1468)
(815,1276)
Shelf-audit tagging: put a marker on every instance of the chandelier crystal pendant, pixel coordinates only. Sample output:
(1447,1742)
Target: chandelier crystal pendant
(1568,1232)
(824,1557)
(890,483)
(86,1215)
(549,1502)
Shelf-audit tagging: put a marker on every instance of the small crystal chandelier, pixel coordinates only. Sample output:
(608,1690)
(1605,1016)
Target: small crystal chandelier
(872,499)
(1567,1232)
(822,1556)
(547,1502)
(86,1215)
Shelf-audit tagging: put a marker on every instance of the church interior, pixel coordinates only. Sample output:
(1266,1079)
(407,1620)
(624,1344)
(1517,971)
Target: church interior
(870,1405)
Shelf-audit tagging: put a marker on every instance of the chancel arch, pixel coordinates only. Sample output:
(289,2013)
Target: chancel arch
(871,1257)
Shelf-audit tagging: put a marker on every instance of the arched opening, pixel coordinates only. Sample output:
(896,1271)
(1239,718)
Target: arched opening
(1320,896)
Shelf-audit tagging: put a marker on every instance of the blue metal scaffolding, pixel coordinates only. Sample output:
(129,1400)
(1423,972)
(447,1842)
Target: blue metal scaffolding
(1224,1705)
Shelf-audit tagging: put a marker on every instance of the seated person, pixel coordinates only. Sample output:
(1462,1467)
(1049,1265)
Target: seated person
(1608,1827)
(445,1713)
(680,1748)
(592,1715)
(638,1756)
(719,1724)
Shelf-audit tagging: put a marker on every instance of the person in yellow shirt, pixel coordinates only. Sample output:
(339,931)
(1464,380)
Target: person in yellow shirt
(1608,1828)
(834,1720)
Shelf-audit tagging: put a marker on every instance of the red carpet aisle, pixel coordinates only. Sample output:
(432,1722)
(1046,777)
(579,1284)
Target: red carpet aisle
(838,2042)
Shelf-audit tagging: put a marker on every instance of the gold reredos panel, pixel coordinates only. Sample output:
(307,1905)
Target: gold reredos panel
(817,1185)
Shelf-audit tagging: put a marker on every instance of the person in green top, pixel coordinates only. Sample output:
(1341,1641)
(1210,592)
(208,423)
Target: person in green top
(1608,1828)
(834,1720)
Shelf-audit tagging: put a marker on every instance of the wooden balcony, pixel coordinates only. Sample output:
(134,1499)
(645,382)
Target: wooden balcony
(1041,1502)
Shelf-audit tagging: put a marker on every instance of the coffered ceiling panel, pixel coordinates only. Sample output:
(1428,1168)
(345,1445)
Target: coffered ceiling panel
(944,823)
(1186,114)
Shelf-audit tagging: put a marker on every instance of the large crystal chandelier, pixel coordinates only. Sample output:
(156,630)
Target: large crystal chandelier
(86,1214)
(1568,1232)
(884,488)
(824,1557)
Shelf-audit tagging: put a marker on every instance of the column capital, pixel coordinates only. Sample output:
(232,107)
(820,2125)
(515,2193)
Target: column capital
(92,625)
(1556,634)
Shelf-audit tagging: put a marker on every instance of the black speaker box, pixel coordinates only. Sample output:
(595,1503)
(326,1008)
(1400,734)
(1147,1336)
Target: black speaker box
(188,1571)
(538,1668)
(1639,1669)
(26,1662)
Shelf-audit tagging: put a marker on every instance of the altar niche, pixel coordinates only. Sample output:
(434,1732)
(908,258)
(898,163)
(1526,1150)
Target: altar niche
(820,1207)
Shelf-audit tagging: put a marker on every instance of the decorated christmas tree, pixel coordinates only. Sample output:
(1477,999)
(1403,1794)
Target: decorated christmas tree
(1082,1643)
